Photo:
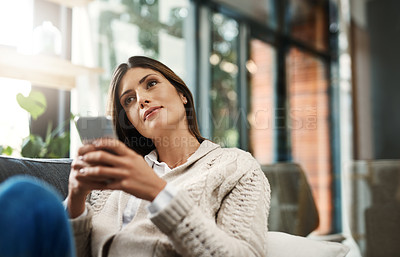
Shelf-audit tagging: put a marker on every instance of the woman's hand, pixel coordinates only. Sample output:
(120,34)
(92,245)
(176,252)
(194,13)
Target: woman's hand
(109,164)
(77,189)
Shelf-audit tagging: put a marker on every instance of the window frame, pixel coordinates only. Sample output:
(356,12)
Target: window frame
(282,42)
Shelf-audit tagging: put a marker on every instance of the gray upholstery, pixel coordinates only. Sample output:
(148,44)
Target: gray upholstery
(373,203)
(53,171)
(293,209)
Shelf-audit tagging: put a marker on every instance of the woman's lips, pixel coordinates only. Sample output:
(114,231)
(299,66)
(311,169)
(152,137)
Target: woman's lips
(152,111)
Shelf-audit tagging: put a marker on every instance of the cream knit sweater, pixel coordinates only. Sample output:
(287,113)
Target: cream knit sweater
(221,209)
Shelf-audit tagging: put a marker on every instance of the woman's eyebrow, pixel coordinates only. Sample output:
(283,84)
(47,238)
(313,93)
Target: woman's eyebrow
(145,77)
(126,92)
(140,82)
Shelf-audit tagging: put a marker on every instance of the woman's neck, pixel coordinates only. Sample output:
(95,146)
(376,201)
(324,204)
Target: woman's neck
(174,150)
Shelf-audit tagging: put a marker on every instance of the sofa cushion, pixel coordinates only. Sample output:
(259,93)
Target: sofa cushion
(53,171)
(286,245)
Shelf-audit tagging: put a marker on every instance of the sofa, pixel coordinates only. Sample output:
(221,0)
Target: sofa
(373,205)
(56,172)
(53,171)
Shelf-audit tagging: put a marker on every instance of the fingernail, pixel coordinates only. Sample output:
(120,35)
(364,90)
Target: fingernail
(83,170)
(80,157)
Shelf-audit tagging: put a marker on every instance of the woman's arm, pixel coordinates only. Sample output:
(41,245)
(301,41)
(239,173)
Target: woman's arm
(240,228)
(78,191)
(82,227)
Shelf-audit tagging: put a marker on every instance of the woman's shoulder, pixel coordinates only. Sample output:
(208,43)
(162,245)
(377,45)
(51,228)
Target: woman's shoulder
(234,157)
(231,165)
(238,153)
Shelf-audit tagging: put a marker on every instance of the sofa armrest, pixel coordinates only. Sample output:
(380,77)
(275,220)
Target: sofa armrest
(286,245)
(53,171)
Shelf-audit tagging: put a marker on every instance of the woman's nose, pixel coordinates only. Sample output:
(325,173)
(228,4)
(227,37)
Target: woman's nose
(143,100)
(142,104)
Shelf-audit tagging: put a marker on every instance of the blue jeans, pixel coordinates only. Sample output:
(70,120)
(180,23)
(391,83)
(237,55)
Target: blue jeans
(33,221)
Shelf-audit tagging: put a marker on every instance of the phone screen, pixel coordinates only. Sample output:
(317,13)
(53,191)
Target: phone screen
(91,128)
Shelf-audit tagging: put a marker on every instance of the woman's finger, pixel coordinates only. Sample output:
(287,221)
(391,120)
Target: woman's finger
(85,149)
(85,184)
(110,144)
(91,179)
(99,173)
(101,157)
(93,185)
(78,164)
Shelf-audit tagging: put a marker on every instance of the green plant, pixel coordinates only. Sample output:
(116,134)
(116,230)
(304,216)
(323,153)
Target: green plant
(56,142)
(7,150)
(55,145)
(35,103)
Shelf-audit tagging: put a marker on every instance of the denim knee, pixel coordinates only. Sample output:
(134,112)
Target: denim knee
(33,220)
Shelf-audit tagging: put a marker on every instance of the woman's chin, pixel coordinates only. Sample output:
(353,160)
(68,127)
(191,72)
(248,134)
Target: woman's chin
(159,129)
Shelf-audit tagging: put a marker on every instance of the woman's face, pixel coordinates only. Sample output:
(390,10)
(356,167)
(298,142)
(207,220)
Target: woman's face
(151,102)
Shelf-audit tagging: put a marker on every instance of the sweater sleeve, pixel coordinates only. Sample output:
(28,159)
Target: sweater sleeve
(240,228)
(82,227)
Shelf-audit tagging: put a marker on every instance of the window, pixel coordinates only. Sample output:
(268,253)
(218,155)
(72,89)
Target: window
(307,84)
(155,28)
(14,124)
(11,12)
(288,102)
(224,97)
(261,116)
(307,22)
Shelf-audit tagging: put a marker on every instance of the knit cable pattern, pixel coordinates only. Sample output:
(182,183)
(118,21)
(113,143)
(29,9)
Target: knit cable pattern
(237,217)
(97,199)
(238,212)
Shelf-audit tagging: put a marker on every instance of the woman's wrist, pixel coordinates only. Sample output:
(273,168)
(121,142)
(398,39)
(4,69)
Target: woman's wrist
(157,189)
(76,204)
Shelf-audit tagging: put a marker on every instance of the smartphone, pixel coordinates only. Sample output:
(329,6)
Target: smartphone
(91,128)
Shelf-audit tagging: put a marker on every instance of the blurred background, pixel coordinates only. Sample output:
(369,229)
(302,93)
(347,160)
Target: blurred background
(309,87)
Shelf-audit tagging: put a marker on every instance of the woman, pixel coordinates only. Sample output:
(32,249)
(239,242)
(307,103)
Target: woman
(163,190)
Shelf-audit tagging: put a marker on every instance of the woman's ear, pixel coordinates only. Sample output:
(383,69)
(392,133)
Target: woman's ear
(184,99)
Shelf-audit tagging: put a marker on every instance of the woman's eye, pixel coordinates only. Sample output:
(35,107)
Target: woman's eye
(129,100)
(151,83)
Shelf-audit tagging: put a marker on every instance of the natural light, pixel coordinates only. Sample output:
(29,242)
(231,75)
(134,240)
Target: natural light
(16,23)
(14,124)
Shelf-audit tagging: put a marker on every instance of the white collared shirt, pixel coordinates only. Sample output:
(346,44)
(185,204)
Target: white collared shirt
(162,199)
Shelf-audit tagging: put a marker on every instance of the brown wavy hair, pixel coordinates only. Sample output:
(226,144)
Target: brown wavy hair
(125,131)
